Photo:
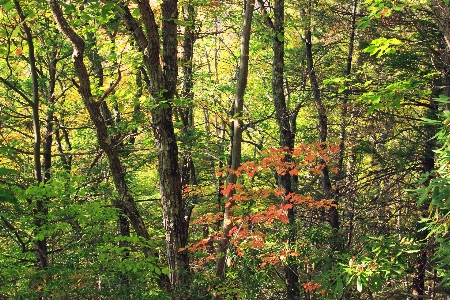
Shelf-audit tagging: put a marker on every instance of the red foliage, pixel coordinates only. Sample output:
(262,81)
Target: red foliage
(243,236)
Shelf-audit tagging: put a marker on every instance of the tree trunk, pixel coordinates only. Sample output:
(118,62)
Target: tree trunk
(286,138)
(345,178)
(40,212)
(323,129)
(103,138)
(237,137)
(418,284)
(161,84)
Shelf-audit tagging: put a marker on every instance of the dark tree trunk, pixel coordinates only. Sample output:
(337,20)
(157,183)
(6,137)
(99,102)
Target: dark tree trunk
(286,138)
(40,212)
(333,216)
(418,284)
(162,86)
(286,124)
(188,174)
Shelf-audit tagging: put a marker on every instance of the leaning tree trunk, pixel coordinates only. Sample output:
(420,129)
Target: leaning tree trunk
(93,108)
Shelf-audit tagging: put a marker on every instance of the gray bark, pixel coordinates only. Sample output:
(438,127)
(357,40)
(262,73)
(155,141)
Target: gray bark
(237,135)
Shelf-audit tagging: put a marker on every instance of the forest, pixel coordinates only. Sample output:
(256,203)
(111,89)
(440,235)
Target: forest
(207,149)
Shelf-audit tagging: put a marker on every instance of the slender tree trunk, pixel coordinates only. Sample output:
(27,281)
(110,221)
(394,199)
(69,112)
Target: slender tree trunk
(237,137)
(286,124)
(345,179)
(441,11)
(123,224)
(40,212)
(188,174)
(333,216)
(418,284)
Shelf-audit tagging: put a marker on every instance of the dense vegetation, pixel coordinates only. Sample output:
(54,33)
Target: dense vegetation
(191,149)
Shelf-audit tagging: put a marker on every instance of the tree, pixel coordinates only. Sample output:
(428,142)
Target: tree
(236,141)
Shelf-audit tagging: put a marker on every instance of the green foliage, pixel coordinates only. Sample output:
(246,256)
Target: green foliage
(381,259)
(76,210)
(382,46)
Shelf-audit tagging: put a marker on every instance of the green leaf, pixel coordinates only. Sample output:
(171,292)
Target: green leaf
(15,32)
(165,271)
(6,171)
(6,196)
(280,37)
(359,286)
(136,12)
(376,284)
(442,99)
(364,24)
(340,287)
(164,104)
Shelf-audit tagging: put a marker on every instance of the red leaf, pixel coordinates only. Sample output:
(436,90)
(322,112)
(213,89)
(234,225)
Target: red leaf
(287,206)
(334,149)
(293,172)
(310,158)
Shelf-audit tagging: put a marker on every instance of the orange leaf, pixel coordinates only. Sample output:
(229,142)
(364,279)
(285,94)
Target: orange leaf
(293,172)
(310,157)
(287,206)
(19,51)
(283,219)
(334,149)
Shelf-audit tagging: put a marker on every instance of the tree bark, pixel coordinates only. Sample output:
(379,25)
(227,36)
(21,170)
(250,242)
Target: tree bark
(418,284)
(237,137)
(287,137)
(441,10)
(333,216)
(40,212)
(345,177)
(103,138)
(162,78)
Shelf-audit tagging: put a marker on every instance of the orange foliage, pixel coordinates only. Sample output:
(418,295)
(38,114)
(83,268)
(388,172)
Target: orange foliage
(281,160)
(310,286)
